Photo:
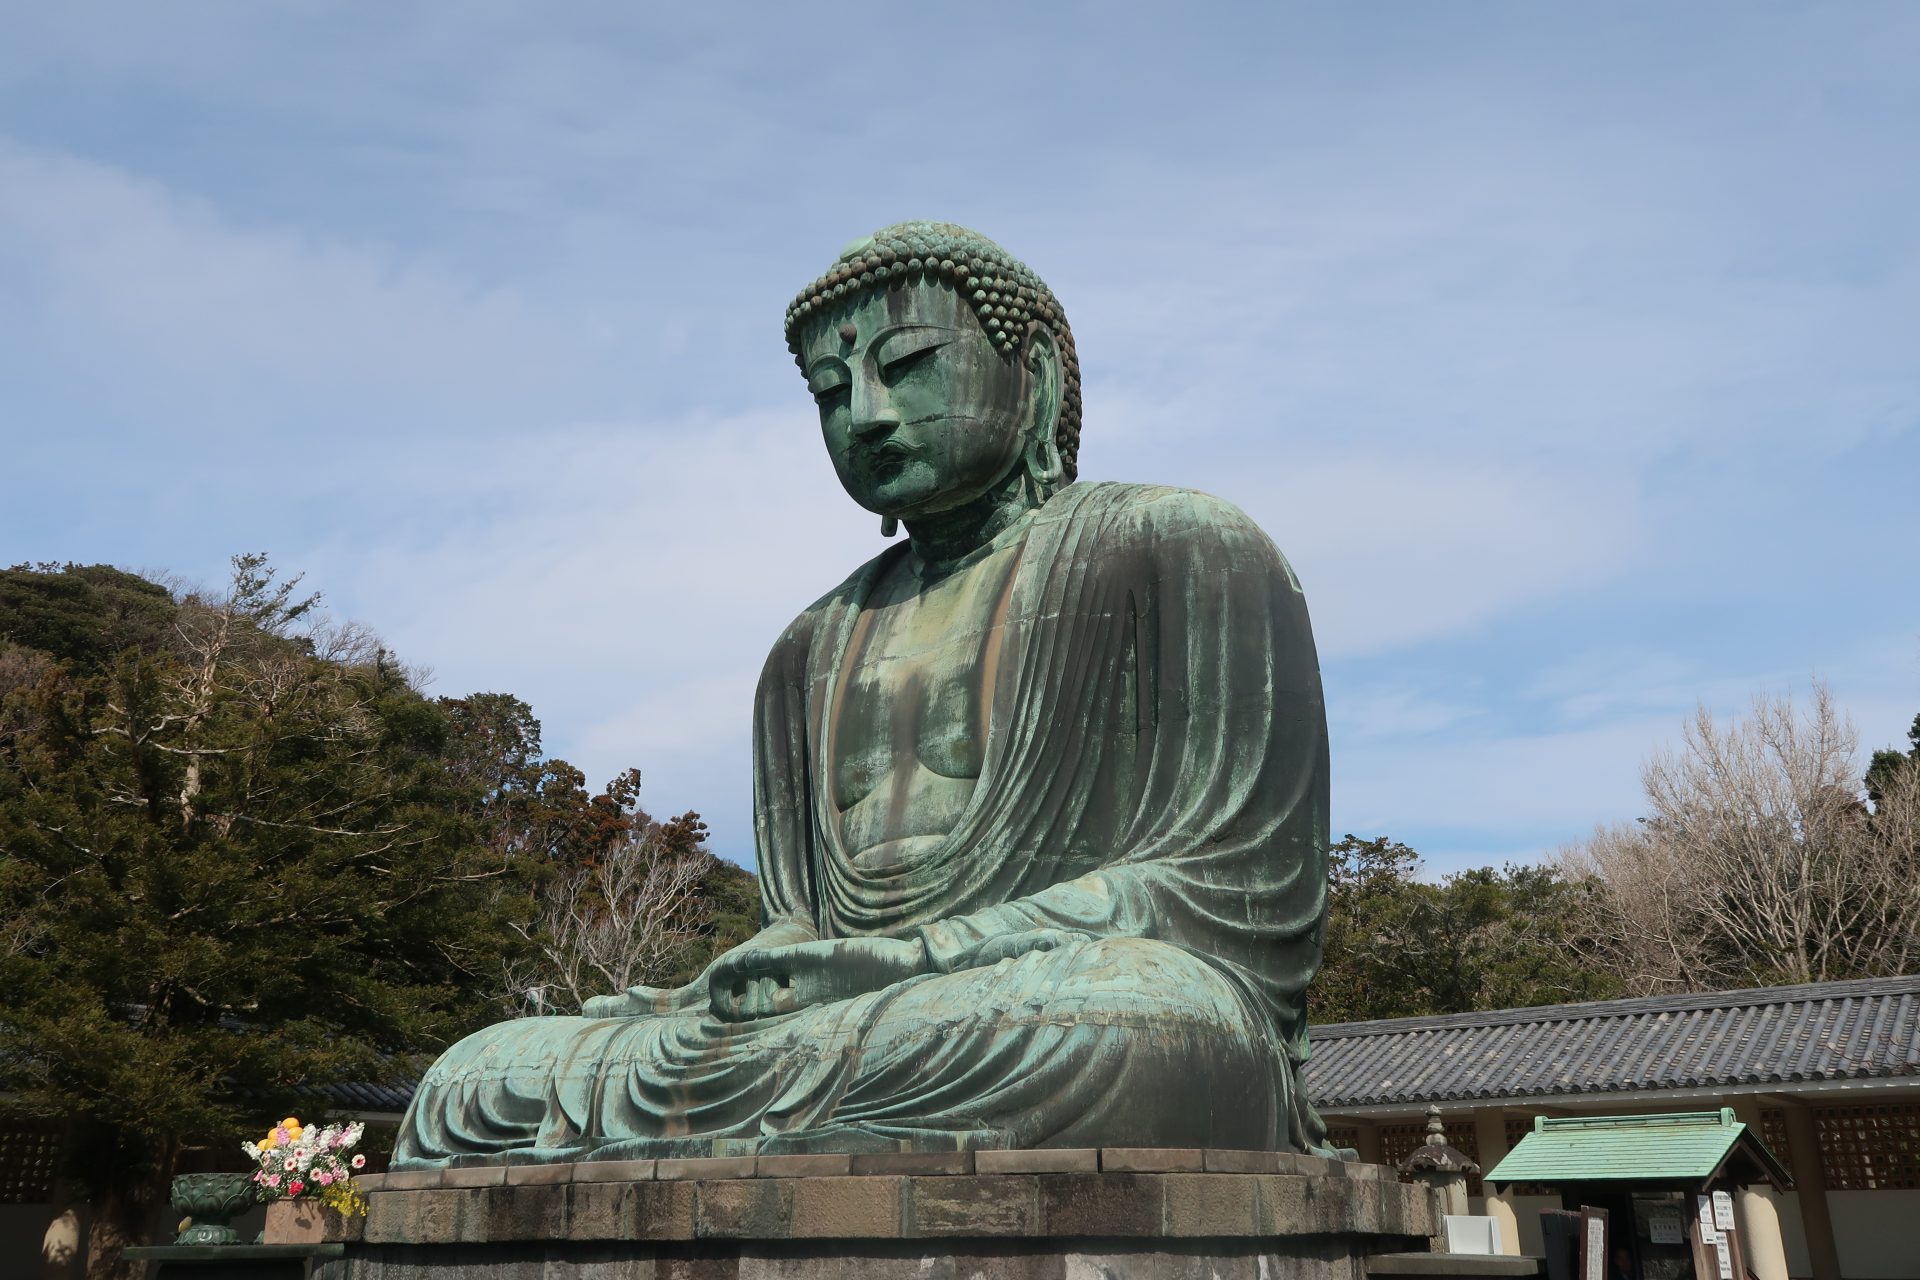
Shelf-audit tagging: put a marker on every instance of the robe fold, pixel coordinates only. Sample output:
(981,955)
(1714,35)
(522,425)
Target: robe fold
(1152,803)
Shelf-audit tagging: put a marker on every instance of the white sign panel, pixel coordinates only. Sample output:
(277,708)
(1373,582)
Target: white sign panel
(1667,1228)
(1596,1249)
(1723,1211)
(1709,1234)
(1723,1254)
(1468,1233)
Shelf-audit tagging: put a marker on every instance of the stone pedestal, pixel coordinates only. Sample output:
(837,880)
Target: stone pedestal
(1147,1214)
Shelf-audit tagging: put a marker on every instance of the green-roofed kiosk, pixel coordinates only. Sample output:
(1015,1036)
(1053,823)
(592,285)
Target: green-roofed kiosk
(1658,1177)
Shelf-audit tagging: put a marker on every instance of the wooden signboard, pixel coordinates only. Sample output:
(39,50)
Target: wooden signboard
(1593,1243)
(1716,1244)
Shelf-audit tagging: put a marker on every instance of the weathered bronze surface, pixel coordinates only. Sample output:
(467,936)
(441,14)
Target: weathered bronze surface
(1040,797)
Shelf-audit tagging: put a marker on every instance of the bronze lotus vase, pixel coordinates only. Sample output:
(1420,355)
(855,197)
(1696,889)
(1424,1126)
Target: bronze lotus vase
(210,1202)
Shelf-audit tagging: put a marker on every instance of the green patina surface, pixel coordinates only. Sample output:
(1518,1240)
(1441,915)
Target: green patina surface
(1040,797)
(1687,1147)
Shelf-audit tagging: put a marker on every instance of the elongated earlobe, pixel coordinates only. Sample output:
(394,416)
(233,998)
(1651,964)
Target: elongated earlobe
(1044,464)
(888,526)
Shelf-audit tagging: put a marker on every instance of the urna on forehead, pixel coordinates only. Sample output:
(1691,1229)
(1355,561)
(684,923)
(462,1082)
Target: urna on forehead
(1004,293)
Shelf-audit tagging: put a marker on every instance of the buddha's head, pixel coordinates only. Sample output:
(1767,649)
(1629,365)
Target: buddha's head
(943,368)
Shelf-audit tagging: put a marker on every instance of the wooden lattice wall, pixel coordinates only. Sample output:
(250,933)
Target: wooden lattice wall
(1773,1132)
(1397,1142)
(29,1157)
(1873,1146)
(1864,1146)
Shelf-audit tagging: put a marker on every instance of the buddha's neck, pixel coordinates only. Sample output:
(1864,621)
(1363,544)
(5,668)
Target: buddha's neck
(942,538)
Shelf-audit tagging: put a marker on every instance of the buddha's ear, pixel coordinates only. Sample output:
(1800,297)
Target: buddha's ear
(1041,355)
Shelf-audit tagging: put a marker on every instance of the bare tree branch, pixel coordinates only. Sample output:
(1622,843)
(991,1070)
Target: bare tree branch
(619,921)
(1759,860)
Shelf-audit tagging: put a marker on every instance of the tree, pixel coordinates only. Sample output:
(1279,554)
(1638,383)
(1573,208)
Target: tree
(237,859)
(1759,861)
(532,808)
(625,917)
(88,615)
(1398,946)
(614,898)
(1887,762)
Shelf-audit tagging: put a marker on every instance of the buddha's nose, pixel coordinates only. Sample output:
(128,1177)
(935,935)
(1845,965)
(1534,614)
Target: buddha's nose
(871,409)
(876,425)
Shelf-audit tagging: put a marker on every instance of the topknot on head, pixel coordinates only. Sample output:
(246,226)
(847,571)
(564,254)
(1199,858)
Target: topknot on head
(1005,295)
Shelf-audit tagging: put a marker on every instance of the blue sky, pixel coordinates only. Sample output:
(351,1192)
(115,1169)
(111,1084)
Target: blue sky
(1568,351)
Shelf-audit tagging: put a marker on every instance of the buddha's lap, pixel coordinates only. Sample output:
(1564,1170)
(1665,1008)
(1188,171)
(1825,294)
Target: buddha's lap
(1112,989)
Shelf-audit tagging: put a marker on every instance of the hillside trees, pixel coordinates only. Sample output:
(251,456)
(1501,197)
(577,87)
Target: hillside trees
(612,896)
(1399,946)
(631,913)
(1759,861)
(241,855)
(233,864)
(1888,763)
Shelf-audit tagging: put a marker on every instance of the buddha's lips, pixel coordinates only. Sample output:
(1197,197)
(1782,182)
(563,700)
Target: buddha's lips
(886,458)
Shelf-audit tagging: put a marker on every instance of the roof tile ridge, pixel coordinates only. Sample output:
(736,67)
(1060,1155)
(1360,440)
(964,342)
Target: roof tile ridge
(1629,1006)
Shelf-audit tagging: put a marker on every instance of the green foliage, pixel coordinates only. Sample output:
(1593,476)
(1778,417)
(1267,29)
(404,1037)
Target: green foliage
(241,856)
(1398,946)
(1889,761)
(83,615)
(235,862)
(537,813)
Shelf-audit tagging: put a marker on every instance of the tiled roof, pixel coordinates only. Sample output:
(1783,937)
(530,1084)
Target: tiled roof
(364,1099)
(1687,1147)
(1823,1031)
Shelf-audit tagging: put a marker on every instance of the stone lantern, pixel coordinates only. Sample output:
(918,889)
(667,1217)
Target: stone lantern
(1440,1166)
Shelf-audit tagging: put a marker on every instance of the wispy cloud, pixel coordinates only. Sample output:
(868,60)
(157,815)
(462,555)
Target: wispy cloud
(1567,355)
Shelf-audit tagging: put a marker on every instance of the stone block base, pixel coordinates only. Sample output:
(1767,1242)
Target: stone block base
(1170,1215)
(1035,1259)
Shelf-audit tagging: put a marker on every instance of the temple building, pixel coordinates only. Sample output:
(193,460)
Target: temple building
(1826,1074)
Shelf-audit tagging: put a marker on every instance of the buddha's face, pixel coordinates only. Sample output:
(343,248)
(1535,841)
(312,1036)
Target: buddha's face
(920,413)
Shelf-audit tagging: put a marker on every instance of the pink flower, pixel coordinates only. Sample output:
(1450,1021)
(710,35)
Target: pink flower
(273,1180)
(325,1179)
(359,1162)
(292,1164)
(295,1188)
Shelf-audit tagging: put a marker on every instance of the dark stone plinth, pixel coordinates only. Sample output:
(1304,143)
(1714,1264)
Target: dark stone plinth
(1454,1266)
(966,1260)
(230,1261)
(759,1225)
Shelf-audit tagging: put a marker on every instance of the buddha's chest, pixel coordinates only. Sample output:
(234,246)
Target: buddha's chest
(914,694)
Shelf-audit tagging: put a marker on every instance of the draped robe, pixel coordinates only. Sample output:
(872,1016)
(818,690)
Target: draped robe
(1153,793)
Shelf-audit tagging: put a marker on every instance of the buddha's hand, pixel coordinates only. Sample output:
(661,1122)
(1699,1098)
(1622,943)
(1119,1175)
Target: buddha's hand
(1011,946)
(643,1001)
(768,981)
(631,1003)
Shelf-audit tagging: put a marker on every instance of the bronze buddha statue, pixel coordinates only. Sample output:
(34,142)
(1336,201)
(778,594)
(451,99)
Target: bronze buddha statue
(1040,797)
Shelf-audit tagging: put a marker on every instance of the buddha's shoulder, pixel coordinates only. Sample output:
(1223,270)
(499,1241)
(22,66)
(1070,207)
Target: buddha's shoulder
(1153,510)
(798,636)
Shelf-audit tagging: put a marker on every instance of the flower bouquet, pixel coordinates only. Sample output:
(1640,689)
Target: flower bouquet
(309,1162)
